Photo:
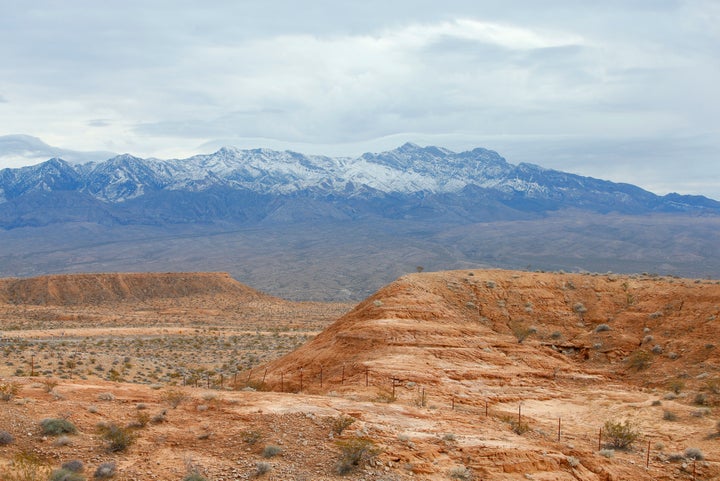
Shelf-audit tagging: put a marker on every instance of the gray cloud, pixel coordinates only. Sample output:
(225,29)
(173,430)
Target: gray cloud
(581,87)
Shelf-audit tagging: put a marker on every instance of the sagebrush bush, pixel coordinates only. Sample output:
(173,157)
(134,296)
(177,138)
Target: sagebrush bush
(174,397)
(355,452)
(105,470)
(74,465)
(620,435)
(341,422)
(271,451)
(66,475)
(602,328)
(115,437)
(5,438)
(8,390)
(261,467)
(639,360)
(694,453)
(460,472)
(57,426)
(669,416)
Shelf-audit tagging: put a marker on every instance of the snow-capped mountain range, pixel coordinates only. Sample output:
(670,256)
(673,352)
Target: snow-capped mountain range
(401,182)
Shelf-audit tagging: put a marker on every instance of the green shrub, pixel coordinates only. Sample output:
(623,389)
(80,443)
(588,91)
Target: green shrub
(694,453)
(670,416)
(639,360)
(174,397)
(105,470)
(262,467)
(5,438)
(620,435)
(271,451)
(460,472)
(341,422)
(251,437)
(26,466)
(115,437)
(355,452)
(8,390)
(56,426)
(75,465)
(194,476)
(66,475)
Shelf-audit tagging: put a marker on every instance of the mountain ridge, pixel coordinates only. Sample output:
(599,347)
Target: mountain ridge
(404,182)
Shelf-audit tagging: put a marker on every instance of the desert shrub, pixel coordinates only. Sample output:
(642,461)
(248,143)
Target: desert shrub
(700,399)
(194,476)
(251,437)
(519,427)
(159,417)
(670,416)
(271,451)
(639,360)
(106,396)
(556,335)
(56,426)
(26,466)
(174,397)
(75,465)
(602,328)
(620,435)
(354,453)
(142,418)
(608,453)
(63,441)
(49,384)
(341,423)
(694,453)
(573,461)
(449,437)
(384,396)
(261,467)
(116,438)
(656,402)
(676,457)
(460,472)
(66,475)
(676,385)
(8,390)
(105,470)
(5,438)
(521,331)
(580,308)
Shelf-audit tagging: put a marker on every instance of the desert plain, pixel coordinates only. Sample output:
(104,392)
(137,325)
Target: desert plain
(468,374)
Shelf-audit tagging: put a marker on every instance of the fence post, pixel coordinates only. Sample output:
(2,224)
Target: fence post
(519,416)
(600,440)
(647,461)
(558,429)
(486,408)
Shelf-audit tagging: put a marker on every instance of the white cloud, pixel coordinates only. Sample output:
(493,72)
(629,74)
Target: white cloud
(163,78)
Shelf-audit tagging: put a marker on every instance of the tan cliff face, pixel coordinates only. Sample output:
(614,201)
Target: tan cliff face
(474,374)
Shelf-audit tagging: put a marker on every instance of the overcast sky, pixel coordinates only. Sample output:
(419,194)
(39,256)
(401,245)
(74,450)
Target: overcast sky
(620,89)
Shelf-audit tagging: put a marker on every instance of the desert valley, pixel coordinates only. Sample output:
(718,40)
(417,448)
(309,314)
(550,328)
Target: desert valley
(469,374)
